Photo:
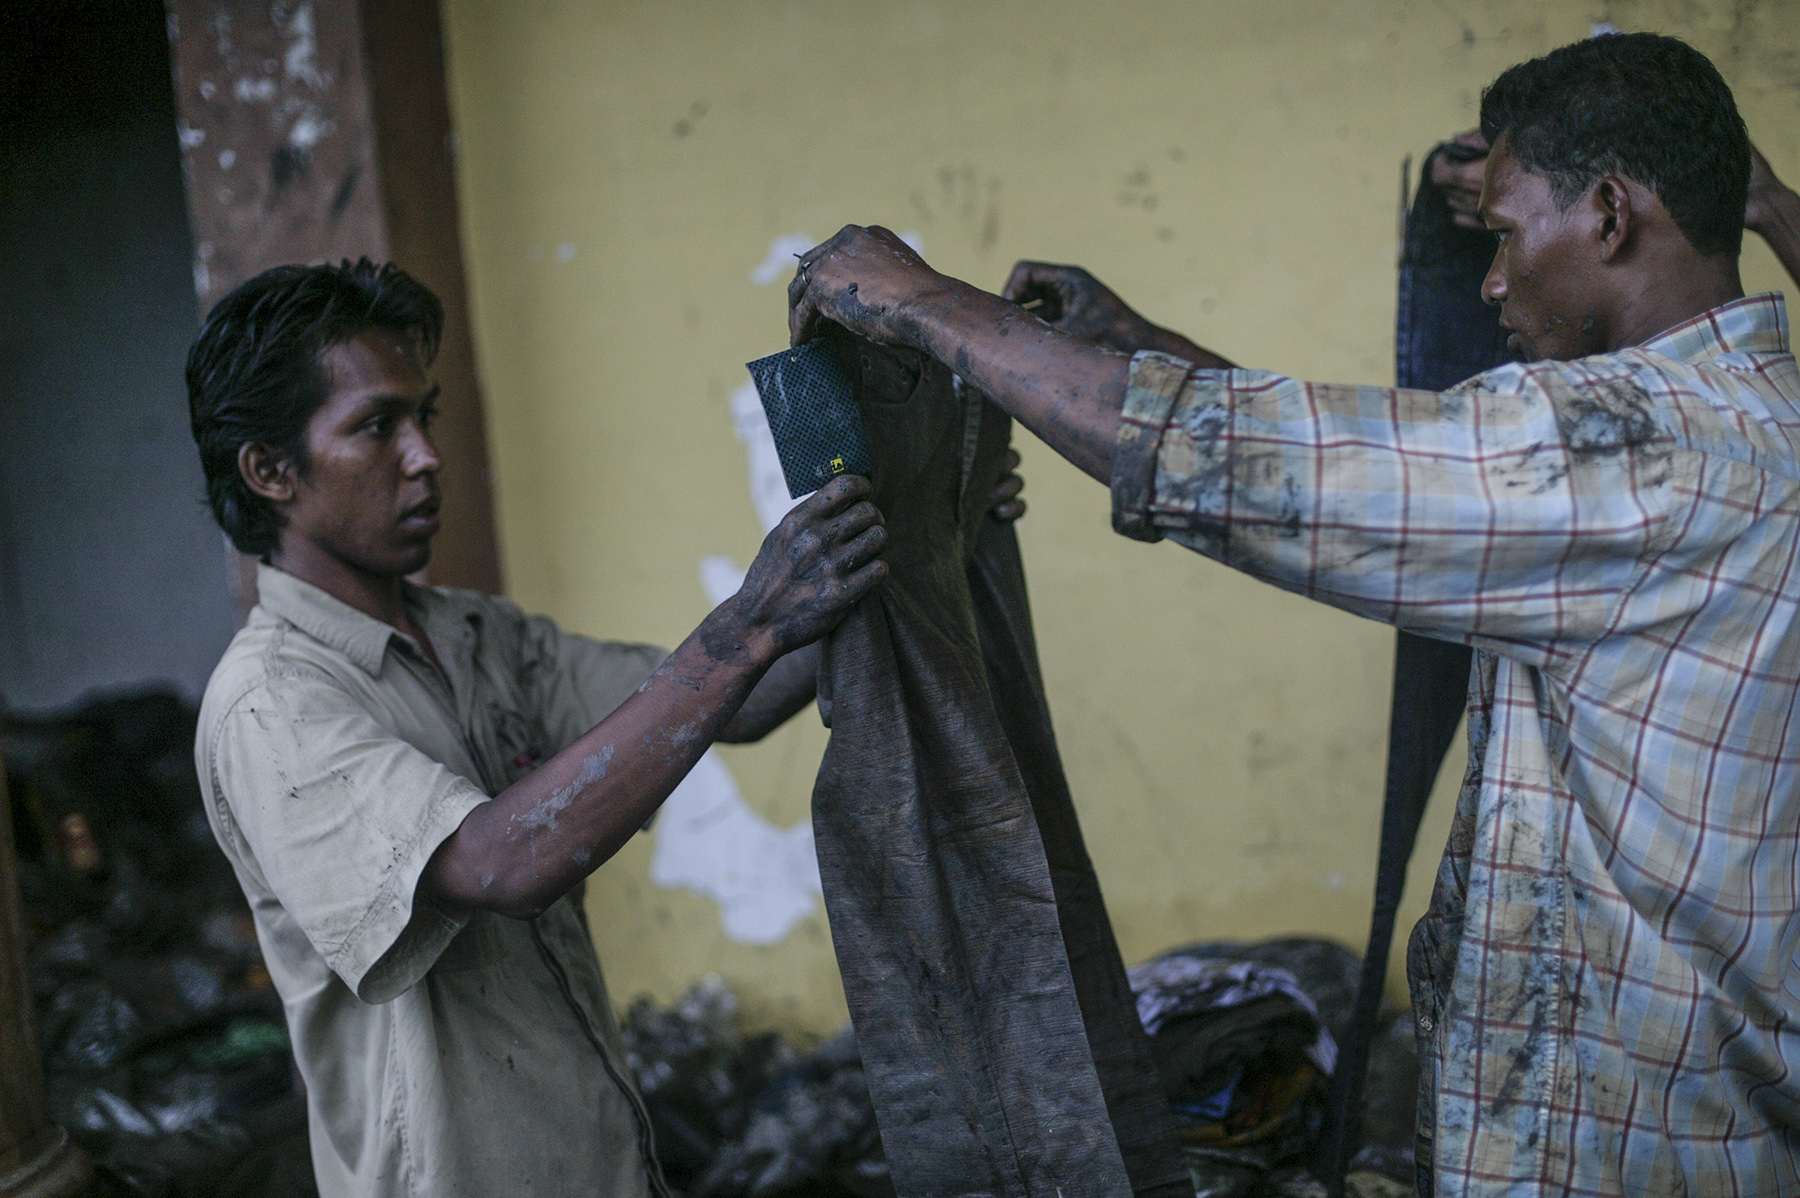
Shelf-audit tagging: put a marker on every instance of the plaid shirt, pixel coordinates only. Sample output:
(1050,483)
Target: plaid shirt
(1606,982)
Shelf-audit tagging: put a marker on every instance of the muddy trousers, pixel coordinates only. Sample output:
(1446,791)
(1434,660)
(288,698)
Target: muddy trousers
(1002,1046)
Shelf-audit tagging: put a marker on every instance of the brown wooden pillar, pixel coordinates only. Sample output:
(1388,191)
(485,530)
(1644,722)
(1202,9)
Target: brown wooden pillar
(314,131)
(37,1158)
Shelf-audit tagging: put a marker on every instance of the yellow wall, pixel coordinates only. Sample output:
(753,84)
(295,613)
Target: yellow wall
(1232,169)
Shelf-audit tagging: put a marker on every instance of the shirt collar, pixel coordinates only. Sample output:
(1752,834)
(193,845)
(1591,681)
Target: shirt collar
(1756,324)
(362,638)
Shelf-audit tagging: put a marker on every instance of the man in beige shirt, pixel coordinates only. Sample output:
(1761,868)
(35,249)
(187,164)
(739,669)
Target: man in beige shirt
(412,782)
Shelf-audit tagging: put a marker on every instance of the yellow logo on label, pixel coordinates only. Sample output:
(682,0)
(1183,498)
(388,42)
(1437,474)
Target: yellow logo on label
(837,465)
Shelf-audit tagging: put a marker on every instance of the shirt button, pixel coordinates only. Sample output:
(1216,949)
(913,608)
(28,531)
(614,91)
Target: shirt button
(1425,1025)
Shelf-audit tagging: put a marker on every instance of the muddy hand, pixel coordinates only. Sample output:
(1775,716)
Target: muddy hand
(1460,181)
(1005,504)
(1072,300)
(815,565)
(864,279)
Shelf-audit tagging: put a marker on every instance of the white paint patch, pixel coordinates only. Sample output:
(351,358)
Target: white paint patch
(190,137)
(227,159)
(299,61)
(720,577)
(708,840)
(207,89)
(782,253)
(307,129)
(249,90)
(565,251)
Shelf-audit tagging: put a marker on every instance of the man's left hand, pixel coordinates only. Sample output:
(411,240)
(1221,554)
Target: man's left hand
(867,280)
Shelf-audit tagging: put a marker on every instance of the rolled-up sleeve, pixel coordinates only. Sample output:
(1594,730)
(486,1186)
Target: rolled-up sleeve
(340,818)
(1521,507)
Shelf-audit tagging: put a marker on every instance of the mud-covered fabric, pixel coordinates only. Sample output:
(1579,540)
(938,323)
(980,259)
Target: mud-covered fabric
(991,1007)
(1607,972)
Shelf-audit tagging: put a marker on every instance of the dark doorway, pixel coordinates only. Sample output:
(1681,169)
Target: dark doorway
(112,575)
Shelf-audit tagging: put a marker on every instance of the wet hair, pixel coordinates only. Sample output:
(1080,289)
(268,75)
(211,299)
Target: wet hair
(1649,108)
(255,373)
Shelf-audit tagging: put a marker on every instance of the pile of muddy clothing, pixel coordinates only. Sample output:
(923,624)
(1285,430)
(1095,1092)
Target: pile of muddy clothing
(165,1050)
(751,1116)
(1245,1039)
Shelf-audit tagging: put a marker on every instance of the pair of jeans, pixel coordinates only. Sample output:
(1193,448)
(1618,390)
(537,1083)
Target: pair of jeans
(1001,1043)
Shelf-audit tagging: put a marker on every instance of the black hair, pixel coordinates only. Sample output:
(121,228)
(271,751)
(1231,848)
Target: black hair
(254,373)
(1649,108)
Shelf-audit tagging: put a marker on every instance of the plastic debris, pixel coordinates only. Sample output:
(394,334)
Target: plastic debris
(165,1049)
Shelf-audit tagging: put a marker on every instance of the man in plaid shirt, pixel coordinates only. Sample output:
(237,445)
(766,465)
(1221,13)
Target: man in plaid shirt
(1605,986)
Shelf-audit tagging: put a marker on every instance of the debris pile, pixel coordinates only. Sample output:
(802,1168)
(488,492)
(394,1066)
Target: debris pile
(1246,1037)
(165,1051)
(741,1116)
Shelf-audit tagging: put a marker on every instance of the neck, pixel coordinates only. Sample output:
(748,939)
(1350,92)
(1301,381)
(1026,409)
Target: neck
(1677,293)
(379,596)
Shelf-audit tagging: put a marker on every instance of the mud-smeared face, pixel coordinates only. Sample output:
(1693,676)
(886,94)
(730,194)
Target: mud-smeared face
(1546,271)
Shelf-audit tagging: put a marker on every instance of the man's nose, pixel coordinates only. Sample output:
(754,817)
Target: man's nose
(417,454)
(1493,287)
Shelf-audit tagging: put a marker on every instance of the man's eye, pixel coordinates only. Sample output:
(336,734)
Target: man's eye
(381,426)
(427,416)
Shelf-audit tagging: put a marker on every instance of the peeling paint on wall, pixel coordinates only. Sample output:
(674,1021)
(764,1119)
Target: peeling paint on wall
(708,840)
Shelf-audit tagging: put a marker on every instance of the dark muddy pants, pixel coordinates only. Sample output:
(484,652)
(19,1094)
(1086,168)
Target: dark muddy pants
(1003,1051)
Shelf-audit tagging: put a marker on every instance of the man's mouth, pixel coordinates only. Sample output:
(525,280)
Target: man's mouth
(423,516)
(1517,344)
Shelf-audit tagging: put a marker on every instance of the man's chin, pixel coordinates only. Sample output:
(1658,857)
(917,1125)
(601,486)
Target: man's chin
(412,557)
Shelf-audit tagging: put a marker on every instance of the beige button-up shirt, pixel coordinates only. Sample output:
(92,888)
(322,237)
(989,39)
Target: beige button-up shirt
(445,1053)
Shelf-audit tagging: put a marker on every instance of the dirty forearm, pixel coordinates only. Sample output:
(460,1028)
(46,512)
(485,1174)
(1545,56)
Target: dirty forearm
(535,840)
(1069,392)
(784,691)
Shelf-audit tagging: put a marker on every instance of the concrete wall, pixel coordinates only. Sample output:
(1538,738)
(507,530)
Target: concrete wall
(111,572)
(1231,168)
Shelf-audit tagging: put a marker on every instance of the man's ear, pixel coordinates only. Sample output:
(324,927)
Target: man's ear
(266,471)
(1611,199)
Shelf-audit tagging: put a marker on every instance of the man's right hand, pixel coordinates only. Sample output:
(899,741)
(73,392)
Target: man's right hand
(814,566)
